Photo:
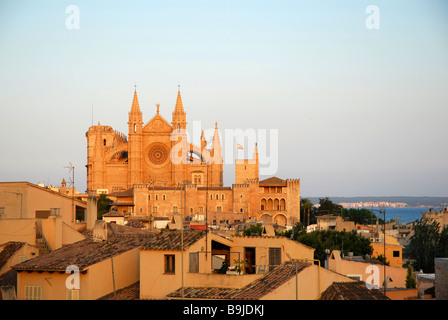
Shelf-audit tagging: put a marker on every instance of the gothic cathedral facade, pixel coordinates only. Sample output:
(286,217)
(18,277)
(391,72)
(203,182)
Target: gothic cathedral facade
(156,157)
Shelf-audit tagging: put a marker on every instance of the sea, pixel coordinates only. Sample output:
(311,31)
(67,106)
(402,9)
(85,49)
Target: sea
(406,214)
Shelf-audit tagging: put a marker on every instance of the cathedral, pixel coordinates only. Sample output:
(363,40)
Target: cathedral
(155,172)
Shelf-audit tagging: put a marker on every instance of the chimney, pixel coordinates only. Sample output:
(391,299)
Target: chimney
(92,210)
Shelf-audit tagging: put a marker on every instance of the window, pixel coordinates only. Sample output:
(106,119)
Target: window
(104,142)
(170,263)
(157,197)
(217,196)
(219,208)
(222,196)
(241,209)
(23,257)
(201,209)
(33,293)
(211,197)
(191,210)
(355,276)
(72,295)
(175,209)
(396,253)
(275,256)
(164,197)
(194,262)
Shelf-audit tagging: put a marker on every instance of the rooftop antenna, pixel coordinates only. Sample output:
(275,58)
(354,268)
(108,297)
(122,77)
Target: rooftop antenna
(72,184)
(294,265)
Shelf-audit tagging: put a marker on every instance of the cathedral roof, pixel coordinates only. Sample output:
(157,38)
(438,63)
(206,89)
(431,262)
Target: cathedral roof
(273,181)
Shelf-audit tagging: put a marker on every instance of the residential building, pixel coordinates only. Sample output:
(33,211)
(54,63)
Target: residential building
(355,290)
(41,217)
(106,261)
(370,271)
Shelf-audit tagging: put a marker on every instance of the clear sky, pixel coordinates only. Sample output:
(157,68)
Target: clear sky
(358,111)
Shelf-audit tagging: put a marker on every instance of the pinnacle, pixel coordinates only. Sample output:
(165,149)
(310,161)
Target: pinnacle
(135,106)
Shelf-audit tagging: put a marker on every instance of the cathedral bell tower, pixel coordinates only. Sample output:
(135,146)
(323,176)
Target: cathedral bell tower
(179,141)
(135,142)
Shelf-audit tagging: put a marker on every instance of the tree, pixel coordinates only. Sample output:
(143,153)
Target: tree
(442,248)
(255,229)
(326,206)
(424,244)
(410,279)
(332,240)
(305,209)
(103,205)
(360,216)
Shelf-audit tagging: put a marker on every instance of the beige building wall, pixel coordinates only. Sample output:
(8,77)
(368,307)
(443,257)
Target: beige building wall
(24,253)
(310,283)
(363,271)
(155,284)
(95,283)
(23,230)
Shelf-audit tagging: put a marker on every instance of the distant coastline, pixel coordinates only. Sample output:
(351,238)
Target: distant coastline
(409,202)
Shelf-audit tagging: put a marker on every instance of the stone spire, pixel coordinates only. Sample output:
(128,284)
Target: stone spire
(216,146)
(135,106)
(179,115)
(135,116)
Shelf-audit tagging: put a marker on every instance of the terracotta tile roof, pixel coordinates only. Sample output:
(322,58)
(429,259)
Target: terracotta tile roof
(253,291)
(125,193)
(7,251)
(113,213)
(131,292)
(87,252)
(271,281)
(9,279)
(273,181)
(355,290)
(135,224)
(171,239)
(203,293)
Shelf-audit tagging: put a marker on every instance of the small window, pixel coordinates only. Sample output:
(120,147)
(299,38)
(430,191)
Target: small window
(104,142)
(72,295)
(193,262)
(201,209)
(219,208)
(211,197)
(164,197)
(396,253)
(241,209)
(23,257)
(170,263)
(141,210)
(157,197)
(149,197)
(191,210)
(175,209)
(222,196)
(217,196)
(33,293)
(275,256)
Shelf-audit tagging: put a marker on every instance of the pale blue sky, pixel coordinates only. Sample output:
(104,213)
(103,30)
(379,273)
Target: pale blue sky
(358,111)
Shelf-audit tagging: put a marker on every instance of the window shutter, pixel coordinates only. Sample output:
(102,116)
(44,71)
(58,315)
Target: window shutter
(194,262)
(275,257)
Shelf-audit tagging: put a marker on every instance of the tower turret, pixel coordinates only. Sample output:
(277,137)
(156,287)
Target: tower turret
(135,143)
(179,115)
